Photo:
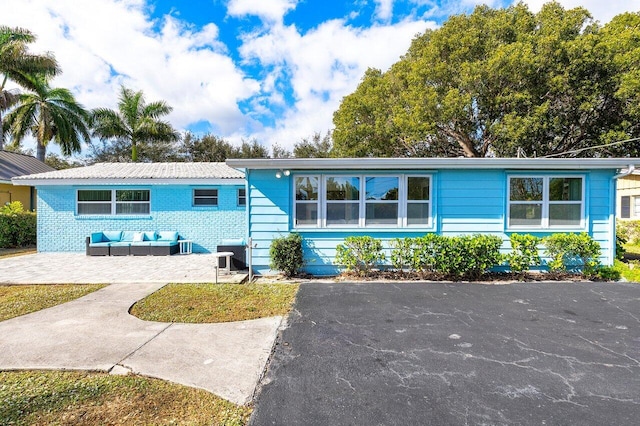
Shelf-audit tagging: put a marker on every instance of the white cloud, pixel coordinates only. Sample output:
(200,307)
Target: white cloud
(602,11)
(323,66)
(104,43)
(384,9)
(268,10)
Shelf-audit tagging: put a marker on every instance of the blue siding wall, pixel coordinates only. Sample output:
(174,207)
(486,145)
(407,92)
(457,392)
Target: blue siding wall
(464,202)
(60,229)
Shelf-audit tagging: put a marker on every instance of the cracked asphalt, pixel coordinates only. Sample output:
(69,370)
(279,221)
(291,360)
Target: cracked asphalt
(453,354)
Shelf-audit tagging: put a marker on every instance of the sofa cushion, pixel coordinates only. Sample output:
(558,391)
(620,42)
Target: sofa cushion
(111,235)
(120,244)
(167,236)
(138,237)
(150,236)
(127,236)
(102,244)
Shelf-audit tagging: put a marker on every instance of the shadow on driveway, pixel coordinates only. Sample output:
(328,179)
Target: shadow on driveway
(452,354)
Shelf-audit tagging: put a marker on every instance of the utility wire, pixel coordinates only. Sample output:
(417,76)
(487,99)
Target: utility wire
(575,151)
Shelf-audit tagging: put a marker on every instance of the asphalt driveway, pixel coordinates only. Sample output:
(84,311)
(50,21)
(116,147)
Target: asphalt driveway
(453,354)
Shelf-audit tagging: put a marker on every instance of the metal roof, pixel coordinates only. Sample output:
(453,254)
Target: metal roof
(127,173)
(434,163)
(13,165)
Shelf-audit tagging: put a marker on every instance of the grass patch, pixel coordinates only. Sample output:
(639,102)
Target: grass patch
(205,303)
(630,271)
(16,300)
(82,398)
(632,249)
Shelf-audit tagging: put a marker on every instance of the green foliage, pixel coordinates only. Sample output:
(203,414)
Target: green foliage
(629,230)
(360,254)
(606,273)
(461,256)
(135,121)
(620,250)
(524,252)
(502,81)
(48,114)
(316,147)
(630,271)
(571,251)
(17,227)
(286,254)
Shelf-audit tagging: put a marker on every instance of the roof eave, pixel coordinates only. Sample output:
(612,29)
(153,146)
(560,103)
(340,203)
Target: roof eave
(127,182)
(434,163)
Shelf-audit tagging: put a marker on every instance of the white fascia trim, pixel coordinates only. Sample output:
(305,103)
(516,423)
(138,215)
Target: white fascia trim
(127,182)
(434,163)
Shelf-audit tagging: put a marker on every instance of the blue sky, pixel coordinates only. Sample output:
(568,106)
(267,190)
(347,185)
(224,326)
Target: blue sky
(273,70)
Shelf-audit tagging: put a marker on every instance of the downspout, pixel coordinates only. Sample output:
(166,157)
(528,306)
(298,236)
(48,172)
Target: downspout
(614,197)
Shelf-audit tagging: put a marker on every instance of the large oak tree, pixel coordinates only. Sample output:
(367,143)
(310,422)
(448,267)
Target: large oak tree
(502,82)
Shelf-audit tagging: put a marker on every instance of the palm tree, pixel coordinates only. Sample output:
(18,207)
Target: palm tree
(48,114)
(135,121)
(16,63)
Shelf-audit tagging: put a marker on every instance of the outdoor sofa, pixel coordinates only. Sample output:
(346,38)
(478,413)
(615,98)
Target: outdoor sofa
(125,243)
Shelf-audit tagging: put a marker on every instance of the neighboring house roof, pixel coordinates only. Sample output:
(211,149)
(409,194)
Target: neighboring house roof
(13,165)
(435,163)
(137,173)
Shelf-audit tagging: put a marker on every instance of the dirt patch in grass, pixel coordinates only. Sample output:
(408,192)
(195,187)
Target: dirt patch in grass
(82,398)
(16,300)
(13,252)
(208,303)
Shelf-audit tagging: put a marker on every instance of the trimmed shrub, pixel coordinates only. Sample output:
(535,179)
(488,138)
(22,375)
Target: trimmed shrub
(524,252)
(286,254)
(401,253)
(17,227)
(571,252)
(360,254)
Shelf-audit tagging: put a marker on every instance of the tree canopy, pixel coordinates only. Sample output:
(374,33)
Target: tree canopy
(502,82)
(17,64)
(135,121)
(48,114)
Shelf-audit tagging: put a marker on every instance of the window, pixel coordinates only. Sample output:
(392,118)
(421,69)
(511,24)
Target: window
(113,202)
(205,197)
(306,200)
(381,200)
(343,200)
(418,195)
(546,202)
(242,197)
(362,201)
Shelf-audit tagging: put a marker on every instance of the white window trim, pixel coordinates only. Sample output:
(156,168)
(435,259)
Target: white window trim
(113,202)
(546,202)
(193,197)
(321,202)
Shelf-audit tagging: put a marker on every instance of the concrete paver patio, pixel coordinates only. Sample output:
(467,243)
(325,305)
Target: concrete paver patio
(52,268)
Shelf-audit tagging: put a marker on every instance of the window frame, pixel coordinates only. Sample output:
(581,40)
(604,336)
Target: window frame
(113,203)
(402,202)
(546,202)
(242,197)
(202,197)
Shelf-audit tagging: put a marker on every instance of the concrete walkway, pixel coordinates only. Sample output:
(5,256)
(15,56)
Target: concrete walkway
(96,331)
(52,268)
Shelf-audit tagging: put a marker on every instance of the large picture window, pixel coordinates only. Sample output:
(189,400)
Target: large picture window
(113,202)
(546,202)
(356,201)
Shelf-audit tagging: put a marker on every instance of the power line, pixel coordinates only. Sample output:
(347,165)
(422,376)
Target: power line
(575,151)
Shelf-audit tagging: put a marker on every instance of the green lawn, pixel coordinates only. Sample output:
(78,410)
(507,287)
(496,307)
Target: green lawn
(82,398)
(206,303)
(16,300)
